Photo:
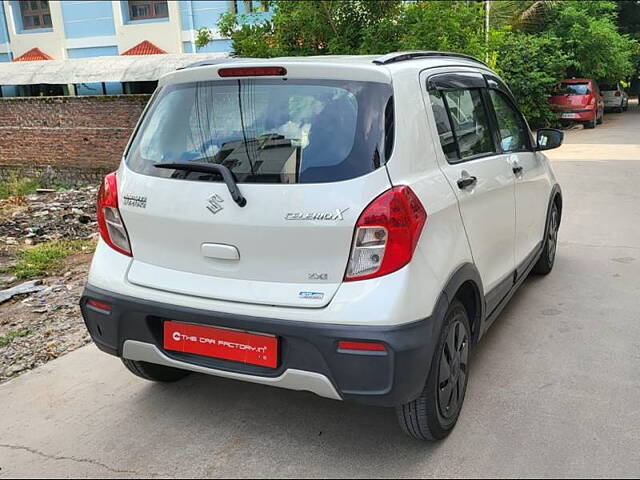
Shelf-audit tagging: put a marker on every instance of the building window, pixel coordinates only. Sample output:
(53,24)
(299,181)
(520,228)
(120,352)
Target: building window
(146,9)
(42,90)
(35,14)
(138,88)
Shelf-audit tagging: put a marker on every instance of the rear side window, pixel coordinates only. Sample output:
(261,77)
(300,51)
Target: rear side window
(267,131)
(447,140)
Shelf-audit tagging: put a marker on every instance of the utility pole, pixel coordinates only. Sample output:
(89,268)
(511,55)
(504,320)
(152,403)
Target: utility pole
(487,12)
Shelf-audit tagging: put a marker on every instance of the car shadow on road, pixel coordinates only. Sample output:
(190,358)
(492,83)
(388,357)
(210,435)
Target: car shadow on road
(304,427)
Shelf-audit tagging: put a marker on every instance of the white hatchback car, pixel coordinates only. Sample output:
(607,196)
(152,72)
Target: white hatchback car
(615,97)
(349,226)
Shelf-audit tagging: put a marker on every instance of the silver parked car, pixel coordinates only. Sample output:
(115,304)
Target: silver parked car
(615,98)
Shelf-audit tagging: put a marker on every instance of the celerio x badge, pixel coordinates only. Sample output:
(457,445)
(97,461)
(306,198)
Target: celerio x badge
(337,215)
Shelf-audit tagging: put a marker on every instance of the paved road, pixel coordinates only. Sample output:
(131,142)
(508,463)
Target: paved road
(555,389)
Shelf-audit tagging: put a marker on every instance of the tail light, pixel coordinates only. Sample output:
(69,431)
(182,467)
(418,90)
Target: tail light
(592,101)
(386,234)
(617,94)
(112,229)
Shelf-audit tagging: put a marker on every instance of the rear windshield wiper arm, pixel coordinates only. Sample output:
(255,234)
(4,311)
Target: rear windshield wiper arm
(226,174)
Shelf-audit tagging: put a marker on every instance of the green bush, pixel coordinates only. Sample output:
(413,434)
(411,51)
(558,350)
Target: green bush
(531,65)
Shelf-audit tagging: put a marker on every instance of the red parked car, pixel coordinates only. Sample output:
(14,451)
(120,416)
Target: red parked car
(578,100)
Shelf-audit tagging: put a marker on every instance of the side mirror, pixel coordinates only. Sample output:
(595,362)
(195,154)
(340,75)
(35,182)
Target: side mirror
(549,138)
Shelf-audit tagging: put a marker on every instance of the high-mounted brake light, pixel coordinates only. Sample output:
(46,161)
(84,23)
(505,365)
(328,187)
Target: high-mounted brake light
(252,71)
(386,234)
(112,229)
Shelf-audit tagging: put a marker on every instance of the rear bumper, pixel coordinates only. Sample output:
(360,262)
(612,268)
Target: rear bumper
(308,354)
(578,115)
(617,102)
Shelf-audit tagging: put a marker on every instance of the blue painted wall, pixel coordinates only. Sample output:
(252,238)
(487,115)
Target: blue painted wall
(4,35)
(216,46)
(196,14)
(88,18)
(92,52)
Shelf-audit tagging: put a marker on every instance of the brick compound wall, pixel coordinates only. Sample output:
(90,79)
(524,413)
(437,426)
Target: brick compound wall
(65,140)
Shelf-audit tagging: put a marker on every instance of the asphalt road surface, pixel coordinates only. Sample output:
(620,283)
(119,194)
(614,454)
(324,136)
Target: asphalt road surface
(554,389)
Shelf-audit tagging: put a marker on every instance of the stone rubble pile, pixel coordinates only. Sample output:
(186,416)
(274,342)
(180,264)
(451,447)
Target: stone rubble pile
(40,319)
(50,215)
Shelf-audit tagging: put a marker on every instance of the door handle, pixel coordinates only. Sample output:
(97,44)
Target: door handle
(466,182)
(517,169)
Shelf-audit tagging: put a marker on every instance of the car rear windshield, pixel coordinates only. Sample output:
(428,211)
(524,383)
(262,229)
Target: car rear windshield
(574,88)
(608,88)
(267,131)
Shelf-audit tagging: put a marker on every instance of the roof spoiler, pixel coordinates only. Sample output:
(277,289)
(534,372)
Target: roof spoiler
(215,61)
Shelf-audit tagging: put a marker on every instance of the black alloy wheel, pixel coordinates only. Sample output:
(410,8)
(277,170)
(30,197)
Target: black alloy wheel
(452,376)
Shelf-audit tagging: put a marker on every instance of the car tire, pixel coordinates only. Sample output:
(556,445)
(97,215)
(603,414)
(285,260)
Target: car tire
(600,119)
(154,372)
(590,124)
(626,107)
(544,265)
(435,412)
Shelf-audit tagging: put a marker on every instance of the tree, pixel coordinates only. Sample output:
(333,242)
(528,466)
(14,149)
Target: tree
(531,65)
(309,27)
(532,43)
(326,27)
(589,37)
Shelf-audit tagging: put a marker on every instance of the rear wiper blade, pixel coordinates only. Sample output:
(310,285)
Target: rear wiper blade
(226,174)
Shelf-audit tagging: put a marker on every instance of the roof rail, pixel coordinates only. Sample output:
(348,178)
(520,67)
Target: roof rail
(415,54)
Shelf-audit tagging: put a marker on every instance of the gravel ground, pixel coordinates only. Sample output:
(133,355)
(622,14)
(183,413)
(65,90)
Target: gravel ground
(46,324)
(41,326)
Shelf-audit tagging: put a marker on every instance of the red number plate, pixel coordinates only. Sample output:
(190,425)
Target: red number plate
(222,343)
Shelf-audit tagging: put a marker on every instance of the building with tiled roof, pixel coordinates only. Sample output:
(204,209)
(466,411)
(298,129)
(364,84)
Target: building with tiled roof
(60,30)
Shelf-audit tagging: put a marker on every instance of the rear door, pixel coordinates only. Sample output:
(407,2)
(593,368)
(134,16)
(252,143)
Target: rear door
(308,156)
(481,177)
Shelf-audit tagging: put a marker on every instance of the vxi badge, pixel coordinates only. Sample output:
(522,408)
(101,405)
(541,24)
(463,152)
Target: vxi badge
(337,215)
